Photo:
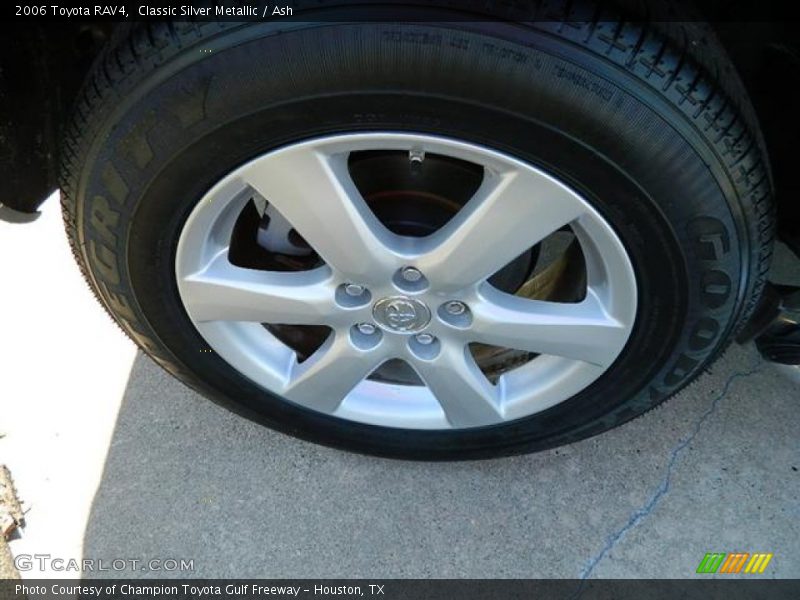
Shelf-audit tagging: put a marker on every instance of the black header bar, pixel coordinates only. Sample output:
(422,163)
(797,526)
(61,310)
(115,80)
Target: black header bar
(394,10)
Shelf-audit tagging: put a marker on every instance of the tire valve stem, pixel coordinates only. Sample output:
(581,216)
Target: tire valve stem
(416,156)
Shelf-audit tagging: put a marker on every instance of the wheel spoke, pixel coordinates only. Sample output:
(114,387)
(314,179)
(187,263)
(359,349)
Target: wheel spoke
(323,380)
(509,213)
(462,390)
(314,192)
(582,331)
(225,292)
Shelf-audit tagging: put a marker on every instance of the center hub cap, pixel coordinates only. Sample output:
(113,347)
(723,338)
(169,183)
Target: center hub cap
(401,314)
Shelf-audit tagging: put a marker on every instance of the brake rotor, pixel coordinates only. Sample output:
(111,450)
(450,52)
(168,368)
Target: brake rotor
(561,280)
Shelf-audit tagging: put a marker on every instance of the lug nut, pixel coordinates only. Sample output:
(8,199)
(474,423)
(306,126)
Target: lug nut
(411,274)
(353,289)
(454,307)
(366,328)
(426,339)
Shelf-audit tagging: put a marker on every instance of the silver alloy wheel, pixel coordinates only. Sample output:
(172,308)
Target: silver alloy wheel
(515,207)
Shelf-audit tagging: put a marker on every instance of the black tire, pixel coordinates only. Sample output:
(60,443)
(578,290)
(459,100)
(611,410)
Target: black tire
(648,122)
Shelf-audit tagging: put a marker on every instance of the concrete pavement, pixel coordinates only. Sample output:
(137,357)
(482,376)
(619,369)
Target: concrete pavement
(715,469)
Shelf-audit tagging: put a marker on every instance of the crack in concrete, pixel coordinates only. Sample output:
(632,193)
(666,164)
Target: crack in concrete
(643,512)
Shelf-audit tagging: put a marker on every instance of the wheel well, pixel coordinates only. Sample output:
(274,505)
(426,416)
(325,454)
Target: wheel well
(41,69)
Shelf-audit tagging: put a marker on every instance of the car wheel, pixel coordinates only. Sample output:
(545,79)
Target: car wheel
(432,240)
